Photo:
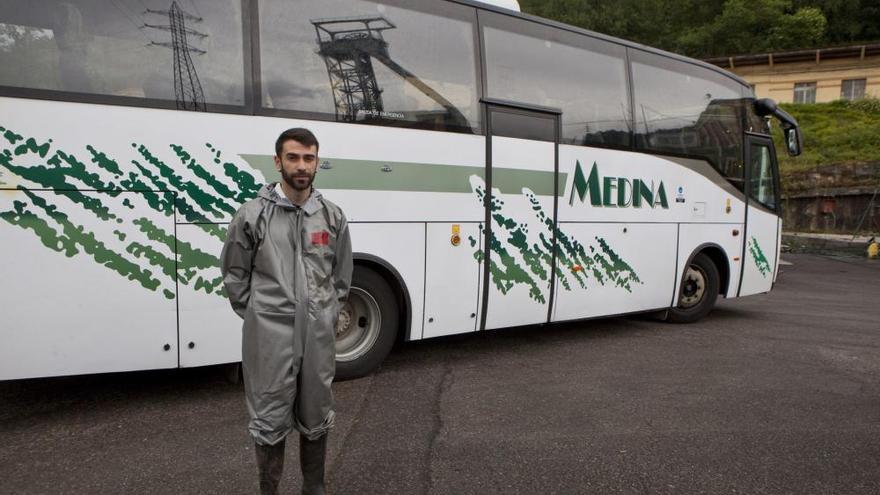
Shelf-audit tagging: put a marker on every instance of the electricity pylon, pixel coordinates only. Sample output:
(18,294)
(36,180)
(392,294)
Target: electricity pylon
(187,88)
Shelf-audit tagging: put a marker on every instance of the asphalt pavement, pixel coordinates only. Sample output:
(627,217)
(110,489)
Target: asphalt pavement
(776,394)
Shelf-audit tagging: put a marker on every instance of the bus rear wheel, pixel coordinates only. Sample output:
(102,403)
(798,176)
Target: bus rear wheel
(367,325)
(699,290)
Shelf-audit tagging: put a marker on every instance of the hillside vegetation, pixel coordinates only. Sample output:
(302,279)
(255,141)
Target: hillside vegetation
(836,133)
(841,142)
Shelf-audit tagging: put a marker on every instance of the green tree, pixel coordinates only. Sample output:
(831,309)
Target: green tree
(651,22)
(750,26)
(716,27)
(849,21)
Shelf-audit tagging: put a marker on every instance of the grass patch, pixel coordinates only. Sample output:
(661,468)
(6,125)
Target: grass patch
(837,133)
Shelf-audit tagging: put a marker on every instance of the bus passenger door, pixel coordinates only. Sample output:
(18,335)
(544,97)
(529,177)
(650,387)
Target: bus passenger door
(521,165)
(763,224)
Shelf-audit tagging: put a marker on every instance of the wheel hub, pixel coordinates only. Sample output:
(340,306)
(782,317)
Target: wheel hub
(694,287)
(358,326)
(343,325)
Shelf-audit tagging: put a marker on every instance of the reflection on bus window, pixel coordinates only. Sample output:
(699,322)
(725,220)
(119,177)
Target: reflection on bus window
(584,77)
(161,49)
(762,186)
(683,109)
(754,122)
(372,63)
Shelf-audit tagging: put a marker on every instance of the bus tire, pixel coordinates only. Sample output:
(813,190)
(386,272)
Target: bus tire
(698,292)
(367,326)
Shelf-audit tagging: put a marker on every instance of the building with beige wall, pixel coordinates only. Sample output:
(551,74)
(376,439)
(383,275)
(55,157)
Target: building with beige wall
(810,76)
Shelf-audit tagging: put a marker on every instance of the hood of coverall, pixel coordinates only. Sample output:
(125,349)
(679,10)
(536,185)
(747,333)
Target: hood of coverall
(312,205)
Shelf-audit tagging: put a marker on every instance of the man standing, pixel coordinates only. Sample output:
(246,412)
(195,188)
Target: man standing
(287,268)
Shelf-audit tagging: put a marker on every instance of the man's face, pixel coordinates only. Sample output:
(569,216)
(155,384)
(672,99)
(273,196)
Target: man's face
(297,164)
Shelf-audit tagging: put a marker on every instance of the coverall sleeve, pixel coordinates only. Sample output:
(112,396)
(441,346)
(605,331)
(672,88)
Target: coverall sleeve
(236,262)
(342,263)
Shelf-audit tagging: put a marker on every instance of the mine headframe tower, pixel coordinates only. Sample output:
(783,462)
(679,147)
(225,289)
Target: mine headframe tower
(348,45)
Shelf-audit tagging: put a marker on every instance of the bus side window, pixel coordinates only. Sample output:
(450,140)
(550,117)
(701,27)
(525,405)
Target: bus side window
(584,77)
(395,63)
(72,44)
(762,186)
(683,109)
(754,123)
(121,49)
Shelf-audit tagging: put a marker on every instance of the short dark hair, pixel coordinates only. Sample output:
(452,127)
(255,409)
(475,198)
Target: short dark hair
(301,135)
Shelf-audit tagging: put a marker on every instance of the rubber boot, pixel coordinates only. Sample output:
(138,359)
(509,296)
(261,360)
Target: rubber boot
(311,459)
(270,464)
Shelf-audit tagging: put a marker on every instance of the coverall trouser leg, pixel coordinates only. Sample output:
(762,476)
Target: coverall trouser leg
(288,366)
(313,410)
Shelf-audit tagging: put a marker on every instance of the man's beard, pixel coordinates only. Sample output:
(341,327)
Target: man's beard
(291,180)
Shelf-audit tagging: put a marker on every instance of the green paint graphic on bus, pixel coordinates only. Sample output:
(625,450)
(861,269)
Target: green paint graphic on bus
(615,192)
(758,255)
(574,264)
(96,190)
(139,250)
(372,175)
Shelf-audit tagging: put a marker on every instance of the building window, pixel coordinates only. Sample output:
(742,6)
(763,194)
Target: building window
(805,92)
(852,89)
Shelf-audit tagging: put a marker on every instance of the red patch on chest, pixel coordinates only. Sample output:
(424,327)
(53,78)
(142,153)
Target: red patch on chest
(321,238)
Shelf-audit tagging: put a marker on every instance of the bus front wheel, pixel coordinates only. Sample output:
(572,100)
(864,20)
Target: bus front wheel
(367,325)
(698,292)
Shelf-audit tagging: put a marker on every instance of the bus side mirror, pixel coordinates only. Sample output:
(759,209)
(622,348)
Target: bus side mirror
(793,140)
(765,107)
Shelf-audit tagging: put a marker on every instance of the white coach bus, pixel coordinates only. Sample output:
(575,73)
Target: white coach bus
(497,170)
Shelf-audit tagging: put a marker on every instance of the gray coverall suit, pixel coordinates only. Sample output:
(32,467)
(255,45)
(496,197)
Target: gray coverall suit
(287,271)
